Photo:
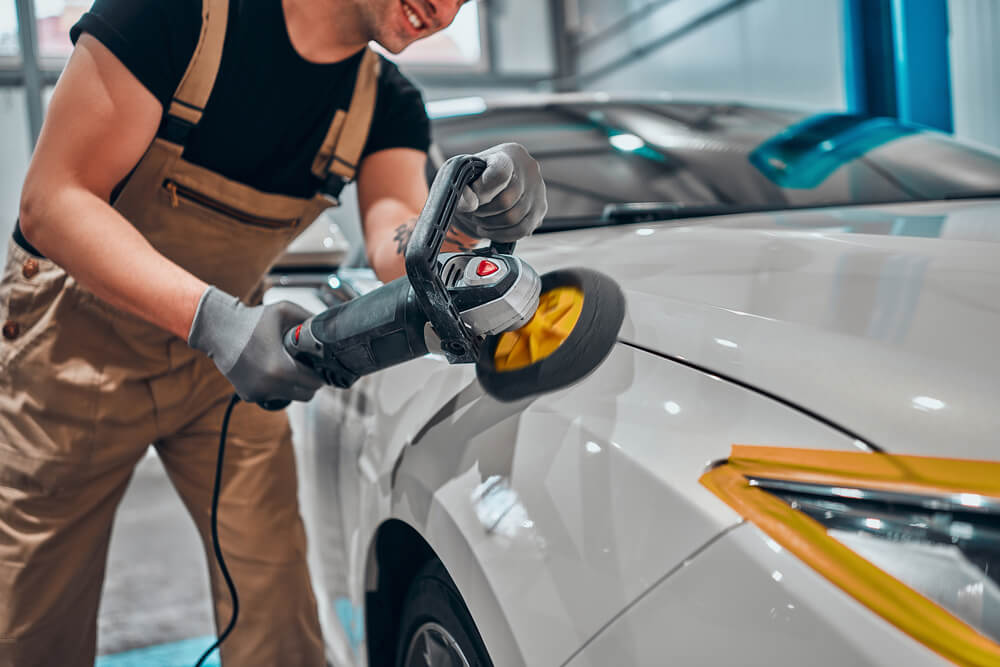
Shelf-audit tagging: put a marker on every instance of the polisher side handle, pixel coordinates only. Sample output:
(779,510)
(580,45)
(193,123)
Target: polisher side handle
(422,252)
(380,329)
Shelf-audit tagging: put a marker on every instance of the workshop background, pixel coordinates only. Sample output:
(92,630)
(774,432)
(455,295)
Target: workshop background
(933,62)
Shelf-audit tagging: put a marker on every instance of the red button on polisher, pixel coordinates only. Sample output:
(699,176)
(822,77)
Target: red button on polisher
(486,267)
(298,330)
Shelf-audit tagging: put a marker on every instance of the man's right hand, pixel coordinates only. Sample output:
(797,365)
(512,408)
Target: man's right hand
(507,202)
(246,345)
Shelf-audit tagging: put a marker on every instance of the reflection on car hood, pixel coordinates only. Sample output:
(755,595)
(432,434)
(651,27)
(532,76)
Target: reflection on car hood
(884,320)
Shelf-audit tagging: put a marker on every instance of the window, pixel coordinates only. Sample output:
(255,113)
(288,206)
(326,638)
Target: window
(712,159)
(53,19)
(459,45)
(14,156)
(8,30)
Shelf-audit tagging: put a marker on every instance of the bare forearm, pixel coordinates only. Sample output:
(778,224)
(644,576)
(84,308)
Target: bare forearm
(387,251)
(107,255)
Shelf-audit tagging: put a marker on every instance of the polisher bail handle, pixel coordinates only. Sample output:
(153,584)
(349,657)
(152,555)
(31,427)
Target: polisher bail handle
(386,326)
(421,256)
(498,248)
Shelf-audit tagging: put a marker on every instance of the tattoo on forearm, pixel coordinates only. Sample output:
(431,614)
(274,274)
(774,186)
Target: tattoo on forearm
(403,234)
(459,244)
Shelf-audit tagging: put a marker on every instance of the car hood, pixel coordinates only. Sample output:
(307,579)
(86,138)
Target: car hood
(882,320)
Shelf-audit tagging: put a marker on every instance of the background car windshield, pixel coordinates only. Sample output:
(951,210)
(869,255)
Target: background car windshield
(727,156)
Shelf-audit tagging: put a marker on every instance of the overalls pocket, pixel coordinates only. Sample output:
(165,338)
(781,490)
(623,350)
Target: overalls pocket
(47,392)
(29,288)
(182,195)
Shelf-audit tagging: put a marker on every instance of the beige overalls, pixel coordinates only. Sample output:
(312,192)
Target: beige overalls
(84,388)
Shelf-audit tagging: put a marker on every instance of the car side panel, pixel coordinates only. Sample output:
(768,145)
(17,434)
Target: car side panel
(747,601)
(560,510)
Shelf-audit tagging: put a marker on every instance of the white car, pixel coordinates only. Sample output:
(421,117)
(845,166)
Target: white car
(790,457)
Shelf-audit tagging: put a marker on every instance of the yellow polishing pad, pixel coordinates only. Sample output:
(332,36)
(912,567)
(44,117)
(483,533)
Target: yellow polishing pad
(557,314)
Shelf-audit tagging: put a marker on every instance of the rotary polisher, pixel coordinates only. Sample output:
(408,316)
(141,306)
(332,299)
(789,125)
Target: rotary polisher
(526,333)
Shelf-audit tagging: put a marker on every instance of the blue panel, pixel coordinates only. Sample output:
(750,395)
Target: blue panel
(183,653)
(923,78)
(353,621)
(869,75)
(854,65)
(807,153)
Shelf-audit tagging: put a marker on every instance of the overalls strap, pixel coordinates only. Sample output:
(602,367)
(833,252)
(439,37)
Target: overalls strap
(192,94)
(337,160)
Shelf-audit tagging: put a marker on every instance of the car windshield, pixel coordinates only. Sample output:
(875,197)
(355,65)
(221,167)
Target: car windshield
(707,159)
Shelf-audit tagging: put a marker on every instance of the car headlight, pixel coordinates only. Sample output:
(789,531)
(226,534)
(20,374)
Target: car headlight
(942,546)
(915,539)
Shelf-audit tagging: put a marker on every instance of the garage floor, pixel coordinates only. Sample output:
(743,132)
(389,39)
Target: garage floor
(155,610)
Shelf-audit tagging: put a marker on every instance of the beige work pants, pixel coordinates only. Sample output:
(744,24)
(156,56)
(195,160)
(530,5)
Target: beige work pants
(84,389)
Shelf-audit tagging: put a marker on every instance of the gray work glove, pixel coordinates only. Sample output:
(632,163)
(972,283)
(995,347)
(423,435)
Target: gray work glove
(507,202)
(245,343)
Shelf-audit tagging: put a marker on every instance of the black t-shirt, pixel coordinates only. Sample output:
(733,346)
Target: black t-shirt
(270,109)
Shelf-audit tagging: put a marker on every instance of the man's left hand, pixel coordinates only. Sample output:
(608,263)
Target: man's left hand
(507,202)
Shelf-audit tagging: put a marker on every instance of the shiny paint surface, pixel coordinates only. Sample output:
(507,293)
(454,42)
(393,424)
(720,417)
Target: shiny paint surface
(552,514)
(800,329)
(892,337)
(746,601)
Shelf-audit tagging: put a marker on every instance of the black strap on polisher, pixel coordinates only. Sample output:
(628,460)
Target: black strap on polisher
(422,252)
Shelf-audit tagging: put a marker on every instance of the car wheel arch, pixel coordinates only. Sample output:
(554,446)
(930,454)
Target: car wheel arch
(396,554)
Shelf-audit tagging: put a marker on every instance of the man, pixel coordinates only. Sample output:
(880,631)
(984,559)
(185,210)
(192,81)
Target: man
(186,143)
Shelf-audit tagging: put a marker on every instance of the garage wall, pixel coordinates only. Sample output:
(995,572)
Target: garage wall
(780,51)
(522,35)
(975,69)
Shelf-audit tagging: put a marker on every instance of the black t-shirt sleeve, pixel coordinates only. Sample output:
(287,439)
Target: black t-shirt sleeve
(154,39)
(400,119)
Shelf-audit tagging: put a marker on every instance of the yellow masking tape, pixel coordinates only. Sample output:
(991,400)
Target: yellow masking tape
(911,612)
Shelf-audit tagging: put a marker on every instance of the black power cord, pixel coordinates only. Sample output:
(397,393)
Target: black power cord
(215,534)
